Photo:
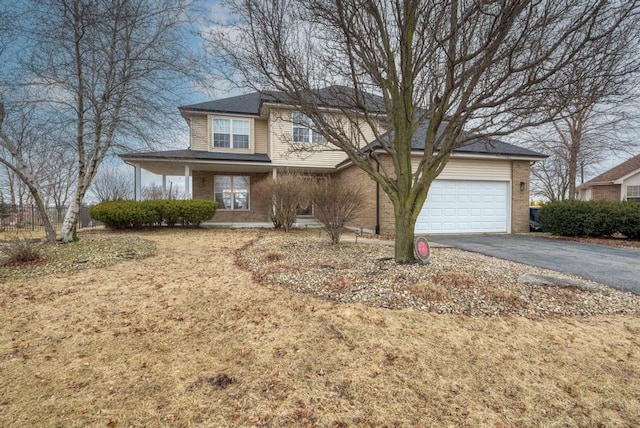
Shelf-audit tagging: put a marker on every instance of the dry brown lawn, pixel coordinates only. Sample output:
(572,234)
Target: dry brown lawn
(186,338)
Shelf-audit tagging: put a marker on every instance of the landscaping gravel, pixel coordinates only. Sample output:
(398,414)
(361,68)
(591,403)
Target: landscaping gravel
(454,281)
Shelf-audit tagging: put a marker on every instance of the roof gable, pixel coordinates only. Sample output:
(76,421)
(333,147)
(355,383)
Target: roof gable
(618,172)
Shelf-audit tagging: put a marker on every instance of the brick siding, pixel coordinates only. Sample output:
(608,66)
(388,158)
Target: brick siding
(258,208)
(366,218)
(520,173)
(606,193)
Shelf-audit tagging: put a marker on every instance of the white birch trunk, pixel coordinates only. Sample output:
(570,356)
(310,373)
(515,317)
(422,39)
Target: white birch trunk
(24,173)
(71,217)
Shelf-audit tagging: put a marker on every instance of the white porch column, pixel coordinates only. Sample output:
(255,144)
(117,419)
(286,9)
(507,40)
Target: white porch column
(138,183)
(187,189)
(164,186)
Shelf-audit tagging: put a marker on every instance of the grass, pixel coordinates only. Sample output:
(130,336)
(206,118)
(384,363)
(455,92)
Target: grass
(186,338)
(93,250)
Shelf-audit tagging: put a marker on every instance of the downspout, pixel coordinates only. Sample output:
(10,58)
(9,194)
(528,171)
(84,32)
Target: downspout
(377,199)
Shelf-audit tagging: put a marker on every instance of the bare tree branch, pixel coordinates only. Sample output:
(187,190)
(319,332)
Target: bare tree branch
(110,184)
(465,68)
(107,72)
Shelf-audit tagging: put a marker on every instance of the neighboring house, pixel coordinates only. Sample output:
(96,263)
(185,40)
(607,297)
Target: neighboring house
(620,183)
(237,142)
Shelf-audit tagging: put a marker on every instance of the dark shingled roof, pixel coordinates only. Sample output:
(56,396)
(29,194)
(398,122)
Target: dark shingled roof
(241,104)
(625,168)
(188,154)
(480,145)
(332,96)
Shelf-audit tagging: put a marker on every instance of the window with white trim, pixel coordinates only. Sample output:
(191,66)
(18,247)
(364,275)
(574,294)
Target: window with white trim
(231,192)
(633,193)
(231,133)
(304,130)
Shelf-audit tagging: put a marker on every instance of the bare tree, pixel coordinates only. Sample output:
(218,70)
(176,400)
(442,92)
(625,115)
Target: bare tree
(550,179)
(335,204)
(20,157)
(154,191)
(59,176)
(462,69)
(107,71)
(287,194)
(110,184)
(39,144)
(596,113)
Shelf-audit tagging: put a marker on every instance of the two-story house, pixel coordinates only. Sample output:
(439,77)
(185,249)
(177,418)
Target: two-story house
(237,142)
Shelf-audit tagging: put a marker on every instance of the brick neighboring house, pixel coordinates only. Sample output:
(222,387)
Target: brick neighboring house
(620,183)
(237,142)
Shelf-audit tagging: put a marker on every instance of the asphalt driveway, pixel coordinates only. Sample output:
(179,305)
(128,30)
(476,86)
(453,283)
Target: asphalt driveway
(613,266)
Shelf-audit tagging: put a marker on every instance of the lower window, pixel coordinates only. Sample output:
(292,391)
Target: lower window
(633,193)
(231,192)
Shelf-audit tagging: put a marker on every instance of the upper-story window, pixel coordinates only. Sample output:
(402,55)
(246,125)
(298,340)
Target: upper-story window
(231,133)
(304,130)
(633,193)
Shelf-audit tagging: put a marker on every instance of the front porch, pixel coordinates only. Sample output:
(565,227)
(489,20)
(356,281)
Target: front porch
(236,181)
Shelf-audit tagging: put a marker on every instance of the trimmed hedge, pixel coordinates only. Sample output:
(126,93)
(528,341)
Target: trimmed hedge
(136,214)
(591,218)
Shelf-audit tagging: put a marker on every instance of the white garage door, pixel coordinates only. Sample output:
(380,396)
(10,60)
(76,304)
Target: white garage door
(455,206)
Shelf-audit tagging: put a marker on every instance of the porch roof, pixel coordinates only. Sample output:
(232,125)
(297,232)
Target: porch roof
(188,154)
(172,162)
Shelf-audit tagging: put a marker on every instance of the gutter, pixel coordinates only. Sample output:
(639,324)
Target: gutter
(481,156)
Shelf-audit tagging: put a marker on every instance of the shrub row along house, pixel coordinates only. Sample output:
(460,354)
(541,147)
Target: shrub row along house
(237,142)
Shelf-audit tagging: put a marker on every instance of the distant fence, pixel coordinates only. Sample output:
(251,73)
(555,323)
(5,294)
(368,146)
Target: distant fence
(27,217)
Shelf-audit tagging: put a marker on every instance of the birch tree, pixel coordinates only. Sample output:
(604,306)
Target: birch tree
(106,70)
(19,154)
(468,69)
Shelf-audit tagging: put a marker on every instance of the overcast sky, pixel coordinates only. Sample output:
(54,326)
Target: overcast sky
(214,13)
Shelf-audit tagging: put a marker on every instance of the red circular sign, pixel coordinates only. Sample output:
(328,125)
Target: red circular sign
(422,248)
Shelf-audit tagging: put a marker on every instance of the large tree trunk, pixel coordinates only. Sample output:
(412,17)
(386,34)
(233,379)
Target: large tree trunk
(44,214)
(405,225)
(22,171)
(572,169)
(71,221)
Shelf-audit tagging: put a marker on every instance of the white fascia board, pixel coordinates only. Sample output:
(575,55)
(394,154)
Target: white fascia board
(133,161)
(304,166)
(218,113)
(419,153)
(327,109)
(490,156)
(484,156)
